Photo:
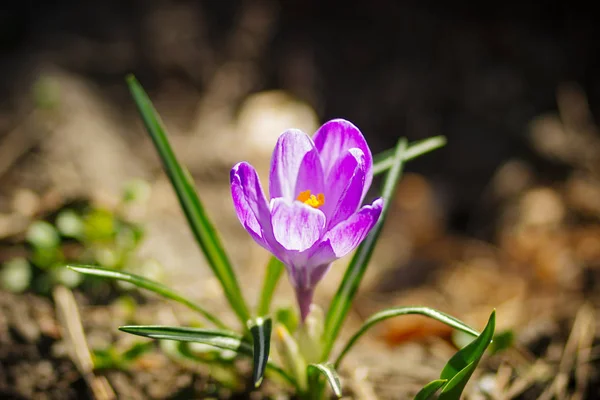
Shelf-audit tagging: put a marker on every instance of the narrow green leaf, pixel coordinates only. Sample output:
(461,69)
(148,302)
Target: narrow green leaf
(222,339)
(430,389)
(397,311)
(455,386)
(384,160)
(471,352)
(329,372)
(147,284)
(274,270)
(461,366)
(261,335)
(202,228)
(342,300)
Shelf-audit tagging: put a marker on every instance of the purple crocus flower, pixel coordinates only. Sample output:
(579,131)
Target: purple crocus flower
(314,216)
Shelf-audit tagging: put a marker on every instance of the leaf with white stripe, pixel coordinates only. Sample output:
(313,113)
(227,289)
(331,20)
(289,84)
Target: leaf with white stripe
(261,335)
(221,339)
(399,311)
(329,372)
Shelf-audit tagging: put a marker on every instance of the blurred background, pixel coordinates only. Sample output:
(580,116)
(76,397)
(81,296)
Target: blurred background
(505,216)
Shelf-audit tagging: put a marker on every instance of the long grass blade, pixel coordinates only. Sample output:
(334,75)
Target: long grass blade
(347,290)
(147,284)
(202,228)
(397,311)
(222,339)
(384,160)
(274,271)
(329,372)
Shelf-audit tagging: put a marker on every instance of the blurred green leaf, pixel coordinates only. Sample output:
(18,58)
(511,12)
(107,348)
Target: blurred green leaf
(147,284)
(46,257)
(70,224)
(459,369)
(125,306)
(397,311)
(222,368)
(46,92)
(274,271)
(127,238)
(329,372)
(288,317)
(107,359)
(344,296)
(42,235)
(135,351)
(430,389)
(99,225)
(502,341)
(136,190)
(66,277)
(200,352)
(203,229)
(15,275)
(110,358)
(106,256)
(261,335)
(384,160)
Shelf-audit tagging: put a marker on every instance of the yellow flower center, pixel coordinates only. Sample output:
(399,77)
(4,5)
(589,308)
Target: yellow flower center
(312,200)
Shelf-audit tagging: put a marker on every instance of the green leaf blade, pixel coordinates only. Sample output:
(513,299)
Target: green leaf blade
(399,311)
(202,228)
(461,366)
(273,273)
(430,389)
(342,300)
(384,160)
(261,335)
(222,339)
(455,386)
(329,372)
(147,284)
(471,352)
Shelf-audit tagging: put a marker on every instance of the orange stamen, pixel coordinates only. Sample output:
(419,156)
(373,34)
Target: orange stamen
(310,199)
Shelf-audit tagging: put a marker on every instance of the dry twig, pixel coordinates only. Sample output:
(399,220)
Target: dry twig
(70,321)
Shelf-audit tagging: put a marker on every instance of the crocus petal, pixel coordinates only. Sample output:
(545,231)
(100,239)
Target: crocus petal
(310,176)
(334,139)
(345,187)
(250,204)
(295,166)
(296,226)
(347,235)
